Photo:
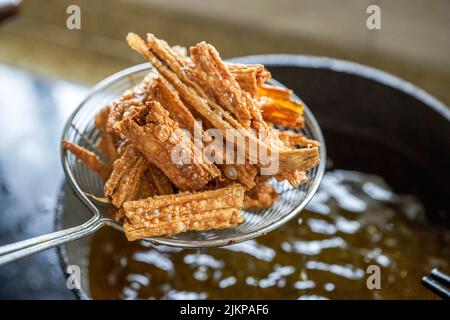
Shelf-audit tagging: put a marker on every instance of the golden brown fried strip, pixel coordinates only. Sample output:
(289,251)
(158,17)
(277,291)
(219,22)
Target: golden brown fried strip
(123,106)
(249,77)
(106,143)
(90,159)
(278,107)
(215,79)
(163,215)
(120,168)
(169,99)
(189,91)
(129,183)
(294,139)
(158,137)
(210,72)
(125,177)
(215,219)
(298,159)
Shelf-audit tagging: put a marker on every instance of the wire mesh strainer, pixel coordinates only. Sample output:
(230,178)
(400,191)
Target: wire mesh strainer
(80,129)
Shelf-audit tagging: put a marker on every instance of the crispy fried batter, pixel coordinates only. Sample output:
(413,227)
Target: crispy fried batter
(169,99)
(107,144)
(157,137)
(215,79)
(125,105)
(218,83)
(278,107)
(295,177)
(165,215)
(298,159)
(90,159)
(181,53)
(249,77)
(295,139)
(147,187)
(123,183)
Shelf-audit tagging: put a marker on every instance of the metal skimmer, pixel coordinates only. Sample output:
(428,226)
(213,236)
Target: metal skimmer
(80,129)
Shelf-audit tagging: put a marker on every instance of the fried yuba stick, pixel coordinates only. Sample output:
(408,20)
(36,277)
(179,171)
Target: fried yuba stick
(165,215)
(218,82)
(156,135)
(244,173)
(189,91)
(133,98)
(249,77)
(90,159)
(169,99)
(278,107)
(123,183)
(152,182)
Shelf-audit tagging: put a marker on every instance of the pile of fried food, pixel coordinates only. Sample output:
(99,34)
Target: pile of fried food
(155,196)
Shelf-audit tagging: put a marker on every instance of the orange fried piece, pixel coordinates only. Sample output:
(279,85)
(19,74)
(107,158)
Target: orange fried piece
(153,182)
(90,159)
(278,107)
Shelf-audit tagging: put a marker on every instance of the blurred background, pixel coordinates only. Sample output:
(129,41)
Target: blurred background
(46,69)
(413,43)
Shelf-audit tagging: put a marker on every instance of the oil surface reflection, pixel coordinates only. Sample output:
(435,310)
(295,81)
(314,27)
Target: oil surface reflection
(354,221)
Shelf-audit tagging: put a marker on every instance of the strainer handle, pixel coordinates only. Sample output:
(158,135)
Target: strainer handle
(14,251)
